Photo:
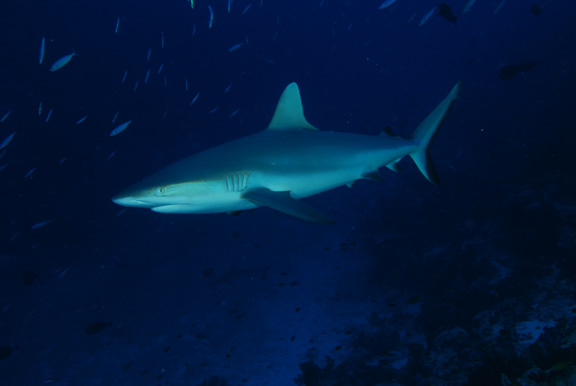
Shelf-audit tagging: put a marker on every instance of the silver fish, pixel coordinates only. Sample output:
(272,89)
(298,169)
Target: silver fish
(7,140)
(193,100)
(120,128)
(386,4)
(235,47)
(427,16)
(42,47)
(29,174)
(5,116)
(211,16)
(62,62)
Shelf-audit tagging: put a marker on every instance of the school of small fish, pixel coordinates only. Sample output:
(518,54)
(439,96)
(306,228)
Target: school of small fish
(63,61)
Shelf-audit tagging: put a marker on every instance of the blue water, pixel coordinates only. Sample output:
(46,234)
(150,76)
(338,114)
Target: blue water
(468,283)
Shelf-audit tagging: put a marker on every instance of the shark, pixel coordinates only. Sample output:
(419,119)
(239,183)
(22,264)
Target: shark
(279,166)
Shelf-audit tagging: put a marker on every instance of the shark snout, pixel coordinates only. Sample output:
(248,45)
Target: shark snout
(133,202)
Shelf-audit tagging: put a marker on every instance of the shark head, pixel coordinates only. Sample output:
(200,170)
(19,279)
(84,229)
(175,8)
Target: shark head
(192,196)
(157,195)
(164,193)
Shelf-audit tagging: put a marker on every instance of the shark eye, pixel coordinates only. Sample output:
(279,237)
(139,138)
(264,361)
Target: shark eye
(160,191)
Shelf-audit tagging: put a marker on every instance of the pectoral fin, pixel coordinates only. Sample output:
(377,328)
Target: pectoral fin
(283,202)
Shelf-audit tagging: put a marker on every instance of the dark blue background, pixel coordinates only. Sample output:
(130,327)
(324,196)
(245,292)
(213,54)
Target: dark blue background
(505,156)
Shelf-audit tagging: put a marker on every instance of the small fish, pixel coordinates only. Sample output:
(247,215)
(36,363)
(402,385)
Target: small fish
(62,62)
(81,119)
(7,140)
(5,116)
(234,113)
(40,109)
(146,77)
(28,175)
(445,11)
(211,17)
(228,88)
(62,160)
(42,47)
(191,103)
(213,110)
(120,128)
(229,4)
(162,41)
(41,224)
(2,167)
(427,16)
(111,155)
(124,76)
(149,53)
(468,5)
(135,87)
(192,4)
(115,116)
(121,212)
(194,30)
(247,8)
(50,381)
(160,68)
(235,47)
(48,115)
(186,84)
(64,272)
(117,25)
(386,4)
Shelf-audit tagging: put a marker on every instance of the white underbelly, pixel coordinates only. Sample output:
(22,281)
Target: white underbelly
(215,203)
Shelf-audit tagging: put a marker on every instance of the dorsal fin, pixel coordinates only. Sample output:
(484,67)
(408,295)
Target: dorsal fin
(289,114)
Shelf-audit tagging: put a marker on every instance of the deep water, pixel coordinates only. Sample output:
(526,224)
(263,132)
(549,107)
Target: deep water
(466,283)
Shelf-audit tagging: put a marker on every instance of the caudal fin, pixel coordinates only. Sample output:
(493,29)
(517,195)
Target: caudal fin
(425,133)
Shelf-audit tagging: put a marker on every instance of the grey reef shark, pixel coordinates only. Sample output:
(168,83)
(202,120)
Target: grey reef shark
(277,167)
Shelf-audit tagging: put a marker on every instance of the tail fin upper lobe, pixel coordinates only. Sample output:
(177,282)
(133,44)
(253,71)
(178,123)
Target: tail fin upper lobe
(426,131)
